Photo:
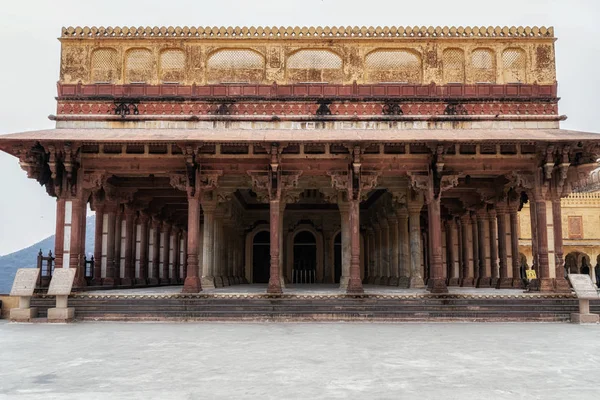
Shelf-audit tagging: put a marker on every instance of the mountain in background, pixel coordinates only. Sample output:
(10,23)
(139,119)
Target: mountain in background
(27,257)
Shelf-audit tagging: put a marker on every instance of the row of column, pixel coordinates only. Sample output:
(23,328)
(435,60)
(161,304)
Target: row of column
(131,248)
(394,248)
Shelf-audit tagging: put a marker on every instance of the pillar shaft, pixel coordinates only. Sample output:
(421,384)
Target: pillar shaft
(493,232)
(504,281)
(155,280)
(416,248)
(355,283)
(561,284)
(275,215)
(142,279)
(111,219)
(192,282)
(77,250)
(129,273)
(467,251)
(452,246)
(208,280)
(98,235)
(484,279)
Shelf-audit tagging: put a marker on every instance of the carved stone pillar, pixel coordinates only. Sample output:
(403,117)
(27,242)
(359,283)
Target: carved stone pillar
(129,272)
(377,253)
(344,208)
(111,271)
(166,243)
(208,208)
(98,236)
(545,283)
(77,249)
(404,249)
(504,281)
(155,275)
(416,248)
(355,283)
(59,244)
(176,233)
(467,251)
(475,236)
(484,279)
(513,209)
(436,282)
(275,211)
(452,245)
(561,284)
(534,237)
(144,220)
(493,232)
(385,251)
(394,251)
(118,241)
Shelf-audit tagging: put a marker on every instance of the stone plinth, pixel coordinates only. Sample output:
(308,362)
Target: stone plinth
(61,313)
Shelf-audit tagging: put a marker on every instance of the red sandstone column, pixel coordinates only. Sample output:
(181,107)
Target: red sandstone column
(534,236)
(118,240)
(493,247)
(98,234)
(544,279)
(176,260)
(475,235)
(184,241)
(192,280)
(77,247)
(385,251)
(416,246)
(467,250)
(166,230)
(561,284)
(484,280)
(436,282)
(355,283)
(144,232)
(59,243)
(394,251)
(156,226)
(109,280)
(517,282)
(504,282)
(275,214)
(129,272)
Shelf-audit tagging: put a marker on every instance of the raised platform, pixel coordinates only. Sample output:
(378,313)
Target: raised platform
(317,303)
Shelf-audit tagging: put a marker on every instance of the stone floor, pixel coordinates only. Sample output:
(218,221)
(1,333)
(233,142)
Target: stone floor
(299,361)
(303,289)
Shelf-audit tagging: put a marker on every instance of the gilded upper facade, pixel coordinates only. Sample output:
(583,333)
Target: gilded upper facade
(338,55)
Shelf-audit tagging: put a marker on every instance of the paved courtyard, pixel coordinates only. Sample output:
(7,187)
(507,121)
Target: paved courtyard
(299,361)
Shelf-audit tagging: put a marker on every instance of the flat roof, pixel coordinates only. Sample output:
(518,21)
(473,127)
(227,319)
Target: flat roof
(220,135)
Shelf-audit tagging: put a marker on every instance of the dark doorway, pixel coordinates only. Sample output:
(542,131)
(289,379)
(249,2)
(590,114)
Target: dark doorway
(337,258)
(305,258)
(261,257)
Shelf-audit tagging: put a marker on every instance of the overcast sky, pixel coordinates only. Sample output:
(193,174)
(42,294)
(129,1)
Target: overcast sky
(30,60)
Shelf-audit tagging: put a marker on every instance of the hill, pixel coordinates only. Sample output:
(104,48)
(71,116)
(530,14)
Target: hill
(27,257)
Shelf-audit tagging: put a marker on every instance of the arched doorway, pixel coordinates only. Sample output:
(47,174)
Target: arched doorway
(337,257)
(577,262)
(305,258)
(261,257)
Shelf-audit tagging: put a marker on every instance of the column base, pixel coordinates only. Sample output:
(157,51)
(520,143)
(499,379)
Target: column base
(208,282)
(467,282)
(542,285)
(274,286)
(344,282)
(232,280)
(394,281)
(61,314)
(404,282)
(97,282)
(23,314)
(141,282)
(218,281)
(484,282)
(416,282)
(79,282)
(453,282)
(494,282)
(517,283)
(225,280)
(577,318)
(561,286)
(192,284)
(127,282)
(153,281)
(112,282)
(437,286)
(355,287)
(504,283)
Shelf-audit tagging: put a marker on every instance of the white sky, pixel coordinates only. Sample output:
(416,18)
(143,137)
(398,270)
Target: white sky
(30,60)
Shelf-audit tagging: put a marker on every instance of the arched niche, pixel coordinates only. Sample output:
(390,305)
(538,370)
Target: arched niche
(290,251)
(250,236)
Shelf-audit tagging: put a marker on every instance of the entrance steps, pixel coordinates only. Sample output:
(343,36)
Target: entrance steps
(299,308)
